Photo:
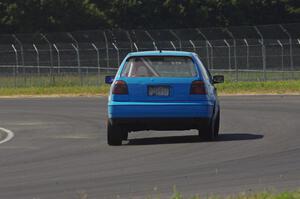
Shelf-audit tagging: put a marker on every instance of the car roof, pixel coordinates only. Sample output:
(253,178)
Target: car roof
(161,53)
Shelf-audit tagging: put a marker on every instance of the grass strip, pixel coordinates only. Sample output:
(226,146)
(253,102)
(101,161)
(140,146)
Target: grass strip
(262,195)
(270,87)
(55,91)
(227,88)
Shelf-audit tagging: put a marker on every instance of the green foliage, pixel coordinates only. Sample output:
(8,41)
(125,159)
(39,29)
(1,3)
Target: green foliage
(49,15)
(69,15)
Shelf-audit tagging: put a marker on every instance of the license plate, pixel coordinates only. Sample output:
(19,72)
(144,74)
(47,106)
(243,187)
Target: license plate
(158,90)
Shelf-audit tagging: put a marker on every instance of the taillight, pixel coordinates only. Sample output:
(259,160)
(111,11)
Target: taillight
(120,88)
(198,88)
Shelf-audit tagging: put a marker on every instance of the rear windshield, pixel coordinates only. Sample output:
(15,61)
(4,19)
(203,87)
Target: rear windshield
(159,66)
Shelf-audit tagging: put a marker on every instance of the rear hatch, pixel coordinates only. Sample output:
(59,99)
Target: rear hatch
(159,79)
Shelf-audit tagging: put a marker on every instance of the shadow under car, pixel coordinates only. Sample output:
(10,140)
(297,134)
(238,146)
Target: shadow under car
(193,139)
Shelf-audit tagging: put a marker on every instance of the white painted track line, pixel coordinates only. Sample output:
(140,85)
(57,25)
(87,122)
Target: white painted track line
(9,136)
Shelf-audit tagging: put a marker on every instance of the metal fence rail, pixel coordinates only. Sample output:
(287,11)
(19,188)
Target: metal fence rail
(270,52)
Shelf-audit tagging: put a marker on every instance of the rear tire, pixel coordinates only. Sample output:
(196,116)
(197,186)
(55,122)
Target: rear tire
(217,125)
(207,132)
(114,134)
(211,131)
(124,135)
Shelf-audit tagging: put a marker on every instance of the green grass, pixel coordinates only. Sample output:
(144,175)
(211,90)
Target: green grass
(263,195)
(258,195)
(228,88)
(55,90)
(93,84)
(269,87)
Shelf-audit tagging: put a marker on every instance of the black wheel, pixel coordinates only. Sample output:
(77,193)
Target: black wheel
(207,132)
(211,131)
(124,135)
(217,125)
(114,134)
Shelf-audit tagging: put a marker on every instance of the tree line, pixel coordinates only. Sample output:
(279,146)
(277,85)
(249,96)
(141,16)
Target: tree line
(28,16)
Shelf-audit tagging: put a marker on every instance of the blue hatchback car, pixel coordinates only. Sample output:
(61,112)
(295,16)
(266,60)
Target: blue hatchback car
(162,90)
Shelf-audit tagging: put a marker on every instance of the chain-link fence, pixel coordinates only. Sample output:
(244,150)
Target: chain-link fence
(253,53)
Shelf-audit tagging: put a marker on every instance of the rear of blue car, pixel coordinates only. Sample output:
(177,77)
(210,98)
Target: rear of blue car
(162,91)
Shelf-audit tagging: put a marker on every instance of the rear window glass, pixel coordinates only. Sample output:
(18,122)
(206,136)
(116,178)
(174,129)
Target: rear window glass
(159,66)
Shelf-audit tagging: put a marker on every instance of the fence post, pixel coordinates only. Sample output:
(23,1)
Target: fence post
(207,48)
(211,54)
(172,44)
(154,44)
(153,41)
(130,40)
(247,58)
(263,51)
(234,53)
(107,53)
(282,58)
(37,58)
(178,39)
(16,68)
(264,61)
(229,56)
(51,57)
(22,51)
(118,53)
(291,48)
(136,47)
(58,58)
(192,43)
(78,62)
(98,62)
(78,55)
(73,39)
(235,61)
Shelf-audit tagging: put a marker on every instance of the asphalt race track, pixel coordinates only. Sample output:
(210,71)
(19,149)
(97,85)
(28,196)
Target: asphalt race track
(59,150)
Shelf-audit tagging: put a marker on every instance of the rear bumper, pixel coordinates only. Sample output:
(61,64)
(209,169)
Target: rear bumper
(138,124)
(203,109)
